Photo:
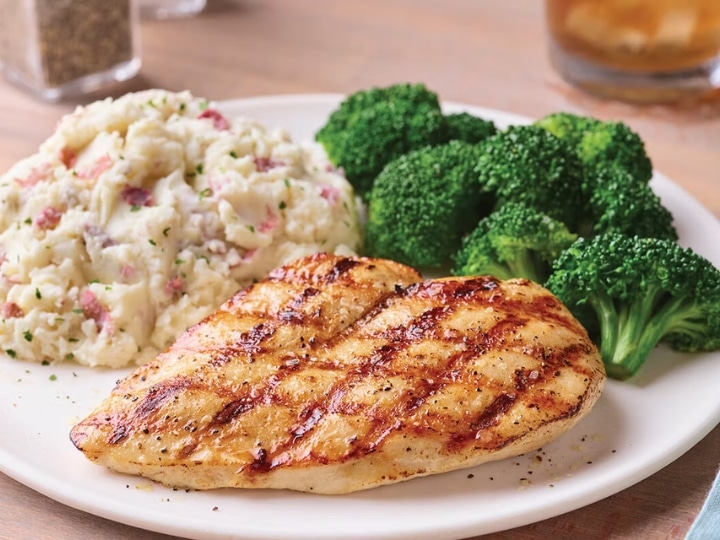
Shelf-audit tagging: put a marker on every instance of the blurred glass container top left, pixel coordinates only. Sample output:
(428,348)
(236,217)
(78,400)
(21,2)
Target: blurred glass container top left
(63,48)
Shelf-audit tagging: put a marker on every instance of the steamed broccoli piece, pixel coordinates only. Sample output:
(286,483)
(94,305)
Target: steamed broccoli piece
(342,117)
(639,292)
(619,204)
(372,127)
(469,128)
(614,144)
(515,241)
(422,204)
(601,143)
(529,165)
(567,126)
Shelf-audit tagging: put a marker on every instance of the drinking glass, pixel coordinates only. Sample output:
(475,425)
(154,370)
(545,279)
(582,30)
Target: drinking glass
(636,50)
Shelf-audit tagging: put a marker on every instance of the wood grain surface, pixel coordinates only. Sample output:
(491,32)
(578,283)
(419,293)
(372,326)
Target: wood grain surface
(490,53)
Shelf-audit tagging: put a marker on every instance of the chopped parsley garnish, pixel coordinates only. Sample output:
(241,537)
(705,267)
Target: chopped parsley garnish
(11,353)
(27,334)
(179,261)
(251,228)
(135,207)
(152,242)
(233,154)
(199,168)
(28,221)
(37,293)
(44,363)
(205,193)
(165,231)
(53,377)
(282,205)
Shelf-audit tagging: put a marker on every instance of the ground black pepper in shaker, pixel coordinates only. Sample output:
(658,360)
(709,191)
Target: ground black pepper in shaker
(59,48)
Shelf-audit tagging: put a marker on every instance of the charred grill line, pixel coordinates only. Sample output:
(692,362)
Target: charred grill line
(291,313)
(156,396)
(250,399)
(341,267)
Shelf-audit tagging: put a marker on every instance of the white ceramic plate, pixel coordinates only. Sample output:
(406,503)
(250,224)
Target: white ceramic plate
(635,430)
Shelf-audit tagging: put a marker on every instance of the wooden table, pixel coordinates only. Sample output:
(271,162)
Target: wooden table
(489,53)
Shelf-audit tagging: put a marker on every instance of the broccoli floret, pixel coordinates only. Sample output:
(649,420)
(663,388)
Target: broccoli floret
(422,204)
(361,100)
(614,144)
(515,241)
(529,165)
(344,115)
(619,204)
(468,127)
(372,127)
(617,171)
(640,291)
(567,126)
(601,144)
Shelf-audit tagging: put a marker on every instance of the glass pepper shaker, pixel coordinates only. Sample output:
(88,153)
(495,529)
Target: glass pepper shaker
(63,48)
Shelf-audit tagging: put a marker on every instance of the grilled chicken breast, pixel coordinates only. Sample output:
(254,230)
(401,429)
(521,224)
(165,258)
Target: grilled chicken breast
(340,374)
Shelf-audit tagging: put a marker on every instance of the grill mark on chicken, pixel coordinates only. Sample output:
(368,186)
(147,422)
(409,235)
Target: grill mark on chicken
(489,417)
(291,313)
(250,343)
(291,273)
(248,401)
(126,423)
(341,267)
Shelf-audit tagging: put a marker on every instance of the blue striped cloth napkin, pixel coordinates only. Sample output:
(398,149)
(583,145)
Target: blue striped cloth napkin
(707,524)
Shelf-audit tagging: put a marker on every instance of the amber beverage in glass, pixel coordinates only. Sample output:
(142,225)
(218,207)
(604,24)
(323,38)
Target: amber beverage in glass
(637,50)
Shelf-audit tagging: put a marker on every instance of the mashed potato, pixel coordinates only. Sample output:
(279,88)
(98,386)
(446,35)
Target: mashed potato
(140,215)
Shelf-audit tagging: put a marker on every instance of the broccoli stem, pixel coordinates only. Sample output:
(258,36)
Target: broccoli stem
(497,270)
(633,333)
(685,318)
(635,340)
(609,327)
(526,265)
